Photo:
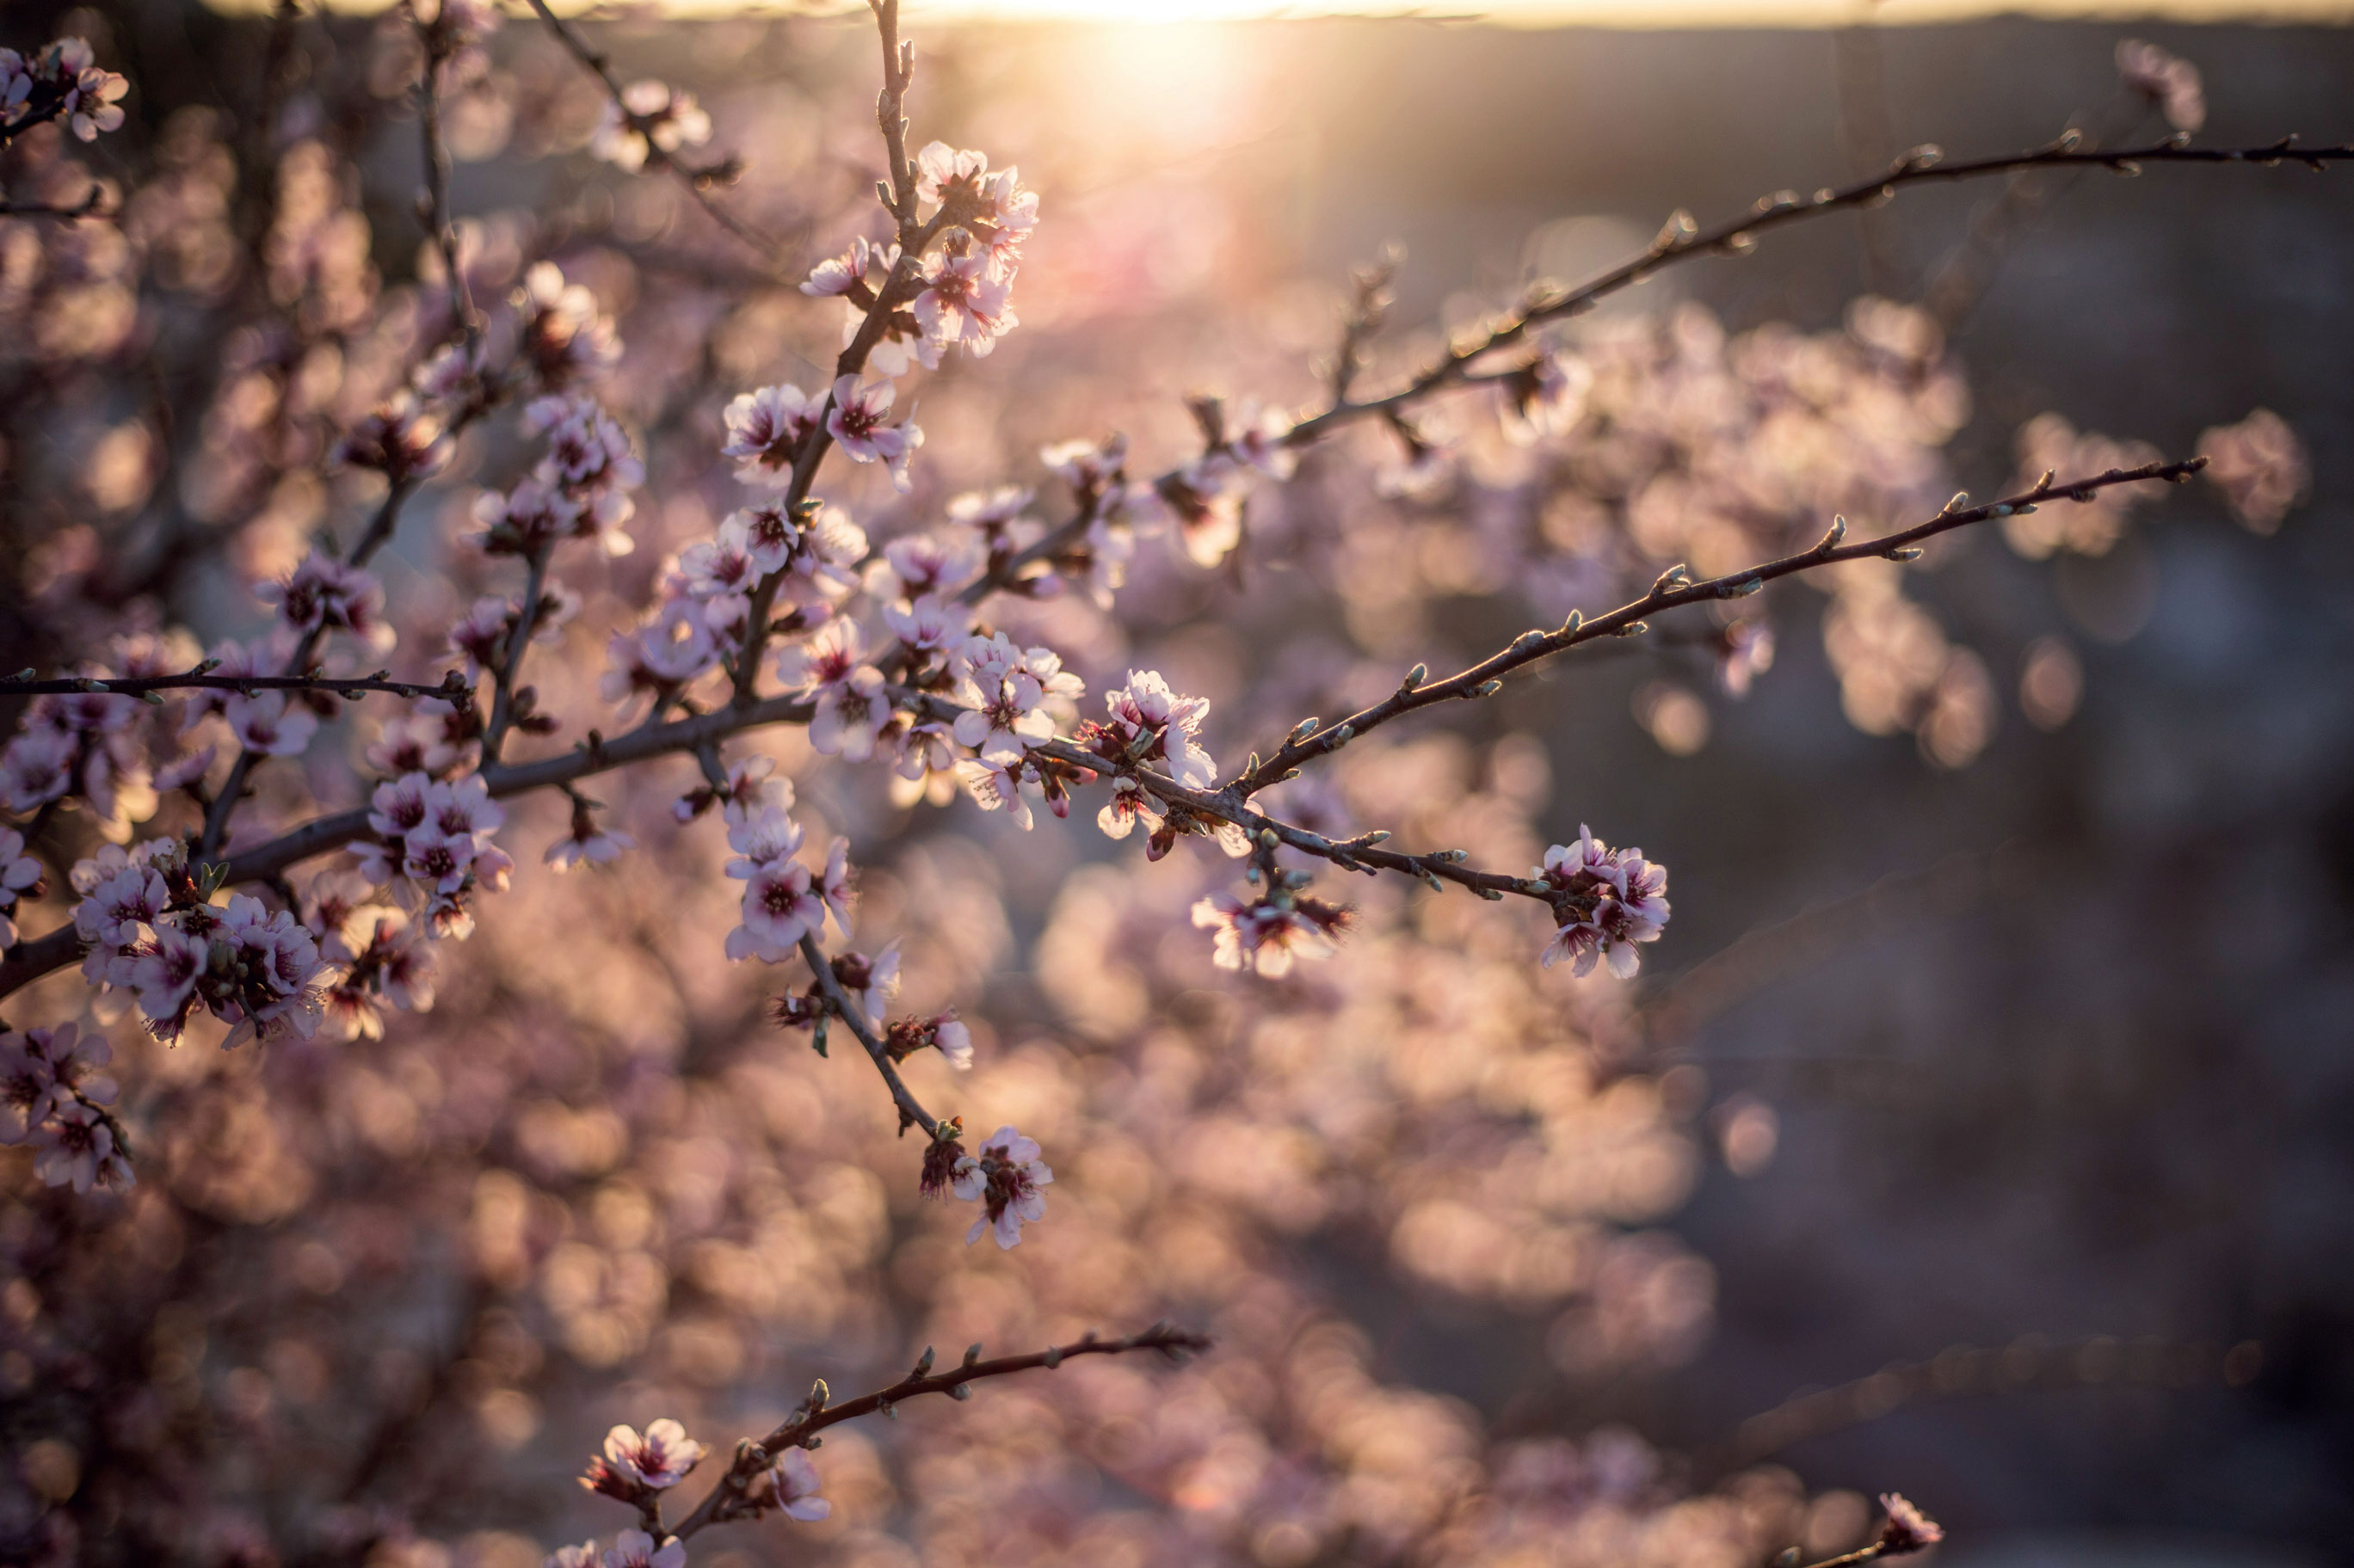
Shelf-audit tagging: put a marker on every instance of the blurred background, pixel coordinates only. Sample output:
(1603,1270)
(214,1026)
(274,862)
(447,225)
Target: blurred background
(2019,1064)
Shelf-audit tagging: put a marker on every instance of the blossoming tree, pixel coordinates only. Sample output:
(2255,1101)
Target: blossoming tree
(272,848)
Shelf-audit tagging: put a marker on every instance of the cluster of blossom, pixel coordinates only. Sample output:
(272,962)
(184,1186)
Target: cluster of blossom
(638,1470)
(53,1096)
(1608,902)
(959,296)
(432,846)
(783,900)
(149,923)
(87,744)
(61,81)
(1267,933)
(1206,495)
(1005,1178)
(648,116)
(578,490)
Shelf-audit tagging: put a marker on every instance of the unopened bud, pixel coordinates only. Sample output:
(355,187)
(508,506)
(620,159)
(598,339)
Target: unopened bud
(1053,1358)
(1415,676)
(961,1390)
(924,1365)
(1905,553)
(972,1352)
(1487,688)
(1569,628)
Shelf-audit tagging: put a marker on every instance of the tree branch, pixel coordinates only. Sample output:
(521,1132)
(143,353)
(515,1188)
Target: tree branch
(815,1414)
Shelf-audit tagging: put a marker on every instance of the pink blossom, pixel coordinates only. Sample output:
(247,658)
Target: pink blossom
(265,724)
(855,420)
(1267,936)
(764,839)
(1006,685)
(780,908)
(1129,804)
(793,1483)
(326,594)
(1000,783)
(20,878)
(660,1459)
(648,112)
(78,1146)
(945,174)
(636,1549)
(765,431)
(564,336)
(844,274)
(1149,722)
(965,302)
(1005,1179)
(1744,652)
(930,625)
(921,564)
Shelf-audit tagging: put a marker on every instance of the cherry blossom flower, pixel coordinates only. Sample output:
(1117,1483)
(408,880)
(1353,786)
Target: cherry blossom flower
(1267,935)
(930,624)
(636,1549)
(20,879)
(869,984)
(1129,805)
(746,792)
(584,1555)
(1545,397)
(855,420)
(586,842)
(1149,722)
(648,112)
(399,439)
(1609,901)
(327,595)
(1001,783)
(1206,498)
(838,885)
(846,274)
(965,302)
(266,725)
(922,564)
(77,1146)
(765,431)
(781,906)
(564,336)
(1907,1528)
(944,174)
(793,1483)
(1744,652)
(656,1461)
(1005,1179)
(994,515)
(1006,685)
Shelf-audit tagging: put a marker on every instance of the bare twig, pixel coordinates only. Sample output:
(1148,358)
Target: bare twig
(1549,302)
(730,1498)
(452,687)
(91,205)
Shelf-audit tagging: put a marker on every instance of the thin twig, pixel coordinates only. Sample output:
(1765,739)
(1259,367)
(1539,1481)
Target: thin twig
(1549,302)
(817,1414)
(91,206)
(911,1111)
(452,687)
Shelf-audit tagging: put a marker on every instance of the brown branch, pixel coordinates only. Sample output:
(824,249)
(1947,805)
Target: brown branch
(435,40)
(91,206)
(1549,302)
(728,1500)
(28,961)
(452,687)
(696,182)
(910,1109)
(1670,592)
